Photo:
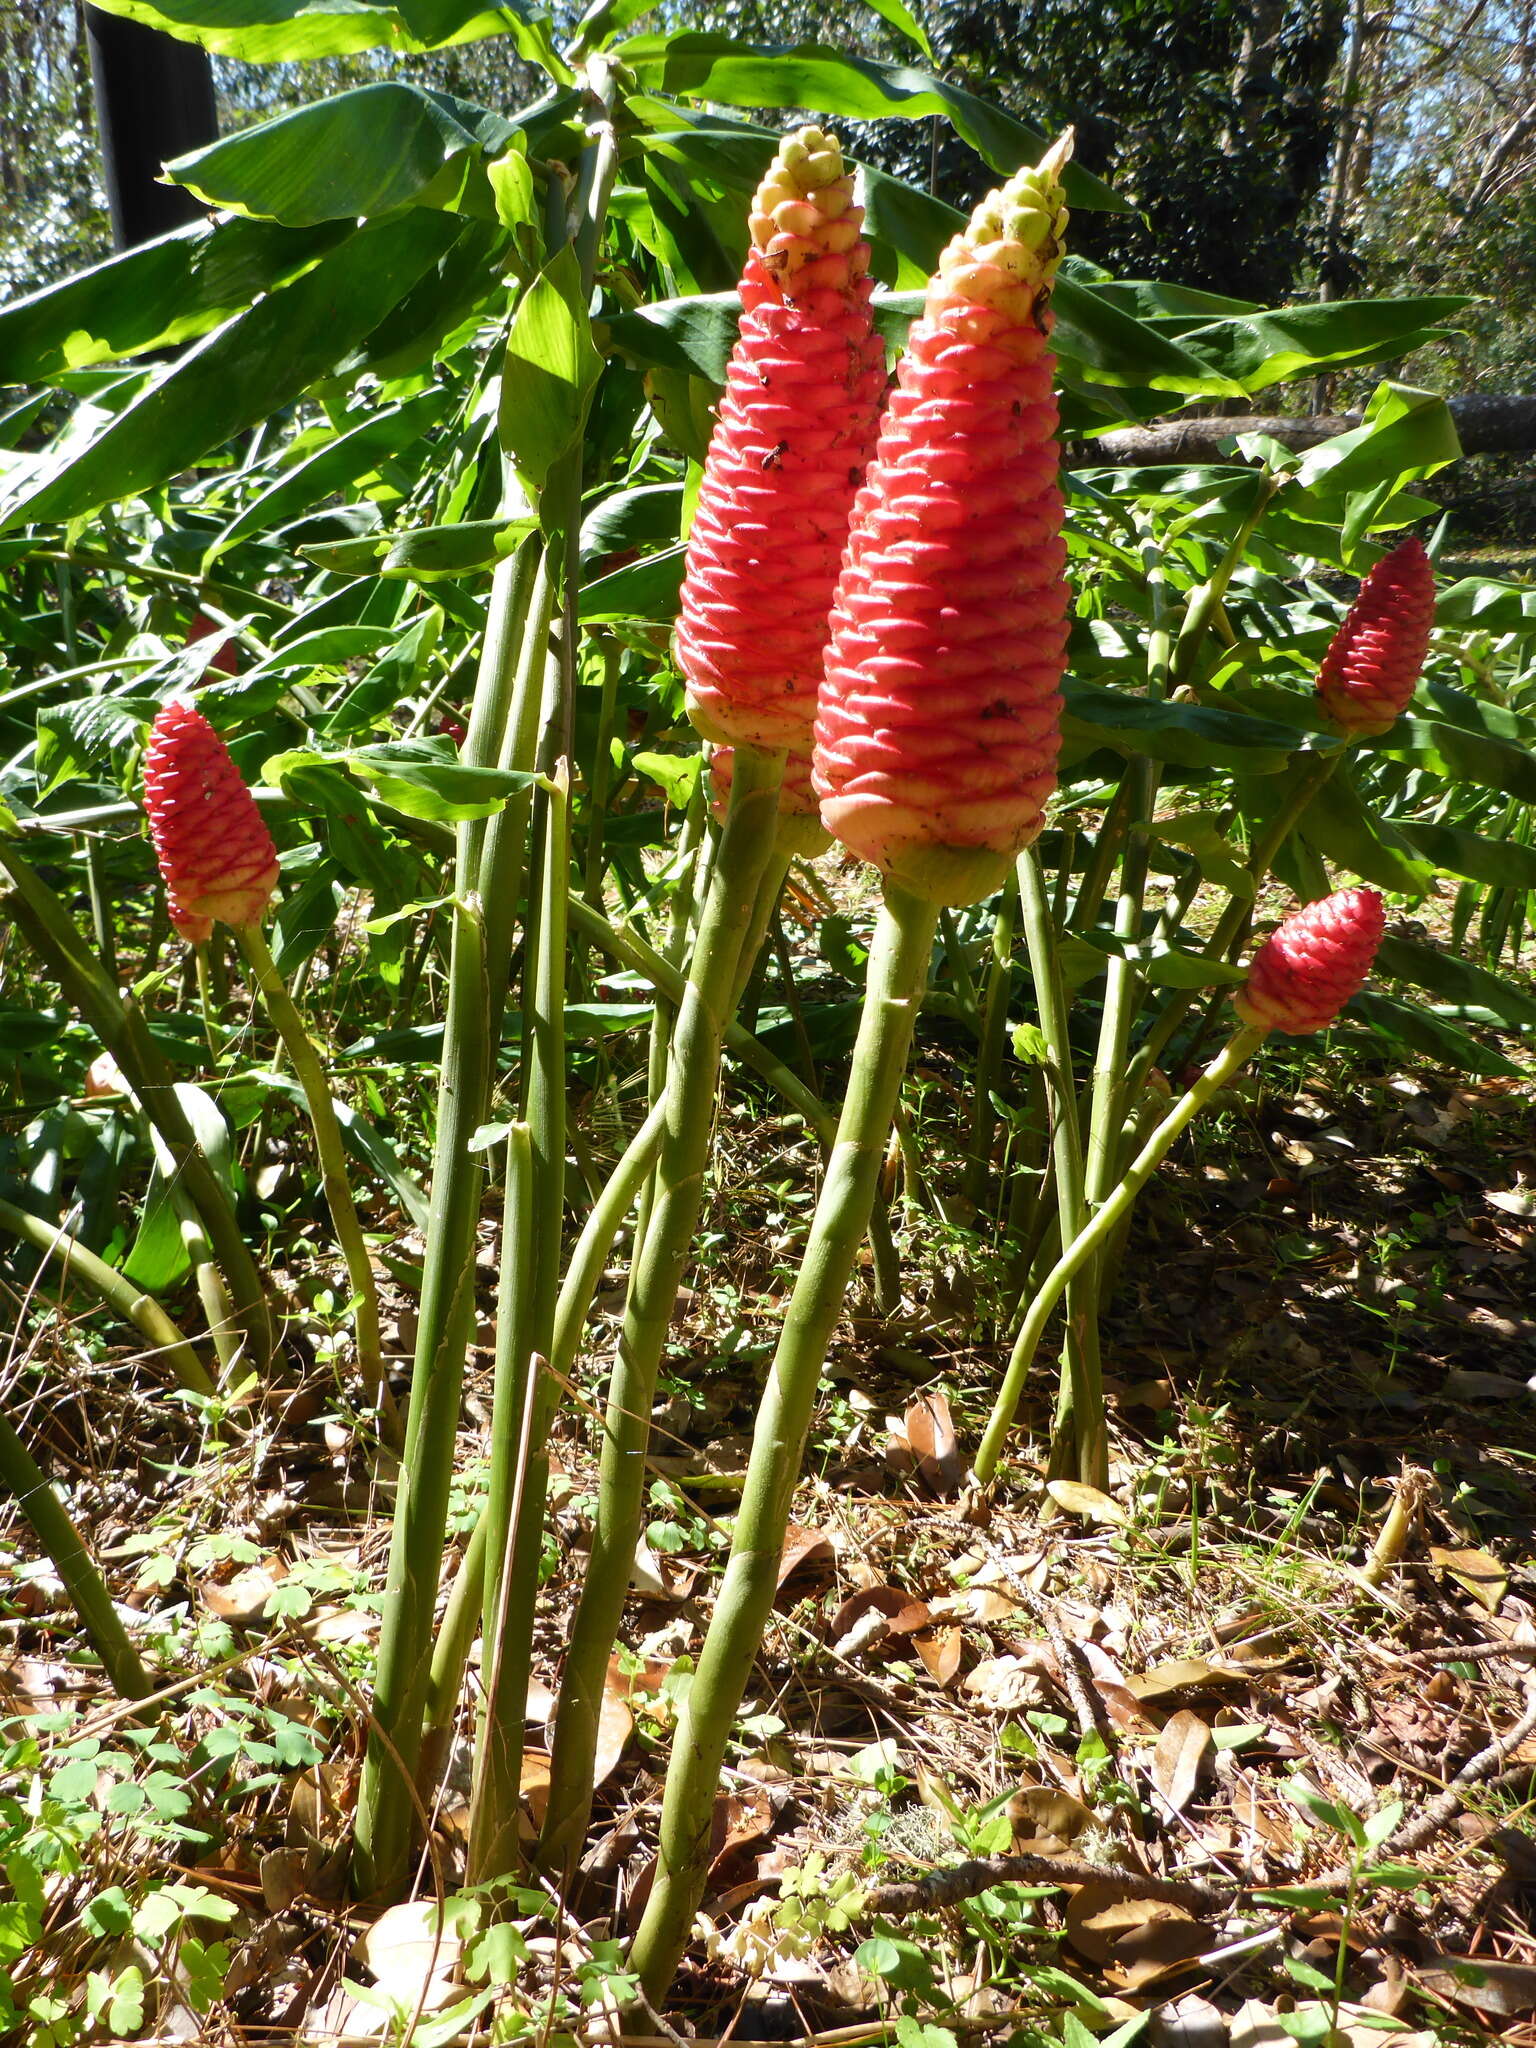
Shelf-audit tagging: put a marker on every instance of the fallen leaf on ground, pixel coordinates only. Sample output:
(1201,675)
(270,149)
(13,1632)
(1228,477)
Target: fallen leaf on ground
(1046,1821)
(1086,1501)
(1482,1576)
(413,1957)
(930,1433)
(805,1550)
(1181,1751)
(1139,1939)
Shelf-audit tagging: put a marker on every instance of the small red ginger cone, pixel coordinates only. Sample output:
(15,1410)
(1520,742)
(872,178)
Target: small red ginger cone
(800,830)
(1310,966)
(1374,661)
(939,718)
(215,853)
(795,430)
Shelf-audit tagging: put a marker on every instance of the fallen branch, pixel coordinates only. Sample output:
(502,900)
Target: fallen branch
(1487,1763)
(1486,424)
(959,1881)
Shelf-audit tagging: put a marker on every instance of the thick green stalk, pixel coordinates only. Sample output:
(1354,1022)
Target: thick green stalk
(119,1024)
(309,1070)
(661,1260)
(1088,1241)
(993,1037)
(139,1310)
(578,1290)
(384,1813)
(898,972)
(25,1481)
(1081,1378)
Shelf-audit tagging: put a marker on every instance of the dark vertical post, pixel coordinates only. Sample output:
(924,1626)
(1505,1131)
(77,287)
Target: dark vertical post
(154,101)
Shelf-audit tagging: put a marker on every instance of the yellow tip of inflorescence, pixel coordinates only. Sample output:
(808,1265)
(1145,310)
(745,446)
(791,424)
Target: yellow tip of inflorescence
(1015,239)
(804,209)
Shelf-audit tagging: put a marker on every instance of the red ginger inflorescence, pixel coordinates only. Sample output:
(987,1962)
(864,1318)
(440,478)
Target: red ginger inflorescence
(939,720)
(215,853)
(1310,966)
(1374,660)
(795,431)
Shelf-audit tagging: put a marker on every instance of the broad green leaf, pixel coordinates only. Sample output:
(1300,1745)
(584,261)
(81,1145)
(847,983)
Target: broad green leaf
(1460,984)
(1476,602)
(549,370)
(420,778)
(88,734)
(392,680)
(646,589)
(1405,434)
(905,23)
(694,334)
(1459,755)
(1257,349)
(1501,863)
(1086,954)
(363,152)
(1342,827)
(284,31)
(344,461)
(713,67)
(1411,1025)
(167,292)
(423,551)
(632,519)
(259,362)
(1478,715)
(1192,735)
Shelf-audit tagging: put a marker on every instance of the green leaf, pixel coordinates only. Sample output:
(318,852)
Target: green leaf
(1192,735)
(420,778)
(645,590)
(1344,828)
(341,462)
(1164,966)
(1501,863)
(550,369)
(362,152)
(905,23)
(160,295)
(259,362)
(1443,1044)
(1405,434)
(87,735)
(714,67)
(422,552)
(1458,755)
(1460,984)
(695,334)
(1257,349)
(284,31)
(1478,603)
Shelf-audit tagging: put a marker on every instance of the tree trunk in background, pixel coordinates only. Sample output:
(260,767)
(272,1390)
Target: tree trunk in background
(1485,424)
(154,101)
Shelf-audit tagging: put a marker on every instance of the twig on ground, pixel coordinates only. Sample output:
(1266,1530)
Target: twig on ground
(1440,1812)
(958,1881)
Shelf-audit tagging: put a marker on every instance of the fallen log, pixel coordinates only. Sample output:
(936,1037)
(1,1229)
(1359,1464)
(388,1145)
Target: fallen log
(1486,423)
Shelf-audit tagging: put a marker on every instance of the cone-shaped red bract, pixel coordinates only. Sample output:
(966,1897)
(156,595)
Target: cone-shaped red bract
(215,853)
(939,718)
(1374,661)
(795,430)
(1310,966)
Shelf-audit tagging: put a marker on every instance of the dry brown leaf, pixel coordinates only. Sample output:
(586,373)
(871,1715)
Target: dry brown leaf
(805,1550)
(615,1725)
(1494,1989)
(1046,1821)
(940,1650)
(1086,1501)
(1140,1939)
(243,1599)
(1185,1674)
(931,1434)
(413,1957)
(739,1820)
(1482,1576)
(1181,1751)
(1004,1684)
(534,1784)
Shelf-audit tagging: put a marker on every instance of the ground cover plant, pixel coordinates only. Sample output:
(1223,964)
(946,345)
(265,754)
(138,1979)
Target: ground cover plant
(768,1145)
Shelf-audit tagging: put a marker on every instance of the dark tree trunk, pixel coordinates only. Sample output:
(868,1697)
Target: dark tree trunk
(154,101)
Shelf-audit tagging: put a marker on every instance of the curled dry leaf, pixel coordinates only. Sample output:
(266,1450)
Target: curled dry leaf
(1136,1940)
(930,1432)
(1046,1821)
(806,1551)
(413,1958)
(1482,1576)
(243,1599)
(1179,1757)
(1087,1501)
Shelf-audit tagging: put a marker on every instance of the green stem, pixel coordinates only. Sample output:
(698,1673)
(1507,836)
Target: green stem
(25,1481)
(139,1310)
(661,1260)
(1086,1242)
(1205,606)
(1081,1378)
(898,971)
(993,1037)
(309,1070)
(384,1813)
